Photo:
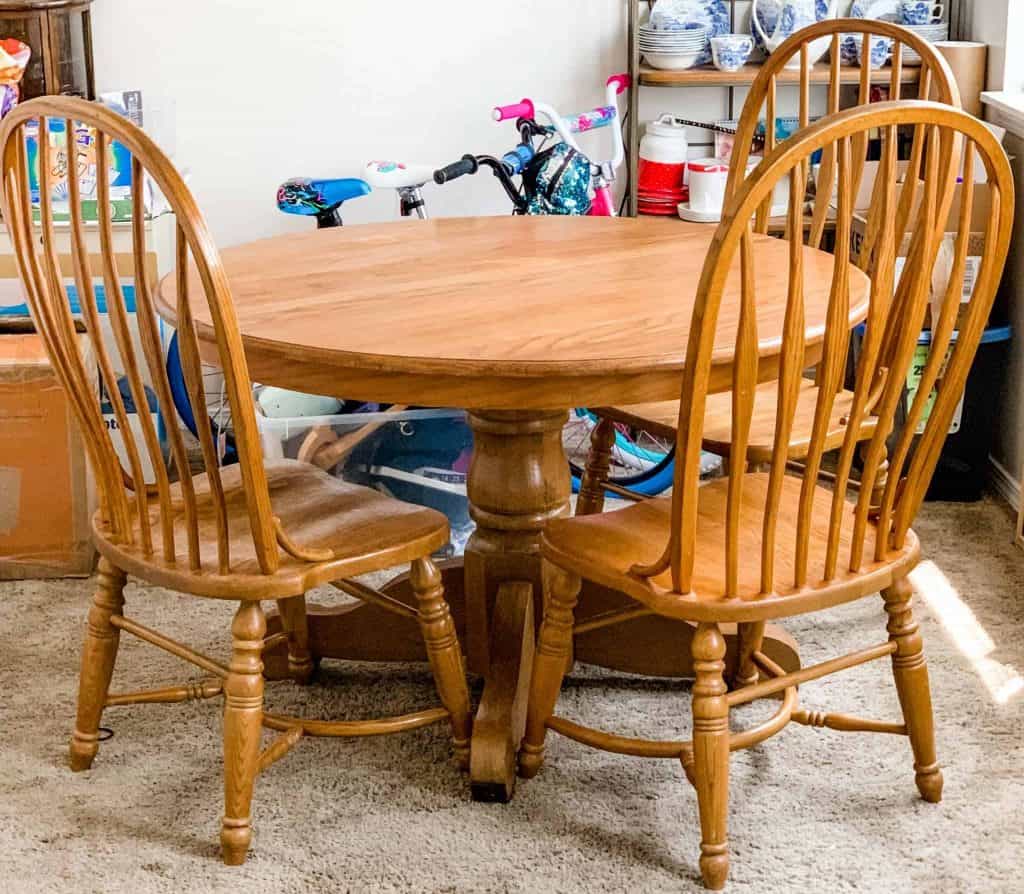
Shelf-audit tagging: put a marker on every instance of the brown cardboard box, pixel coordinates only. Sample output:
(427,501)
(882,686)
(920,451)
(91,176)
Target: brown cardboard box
(980,213)
(47,496)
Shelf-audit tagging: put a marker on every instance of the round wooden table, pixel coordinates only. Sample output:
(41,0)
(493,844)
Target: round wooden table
(517,320)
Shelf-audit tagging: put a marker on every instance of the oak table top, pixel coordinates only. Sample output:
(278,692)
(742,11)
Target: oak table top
(502,312)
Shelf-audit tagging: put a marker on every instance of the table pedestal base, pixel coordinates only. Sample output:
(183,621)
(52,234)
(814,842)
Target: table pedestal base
(649,645)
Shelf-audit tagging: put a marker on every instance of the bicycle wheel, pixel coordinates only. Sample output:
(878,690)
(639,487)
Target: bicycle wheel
(641,461)
(217,409)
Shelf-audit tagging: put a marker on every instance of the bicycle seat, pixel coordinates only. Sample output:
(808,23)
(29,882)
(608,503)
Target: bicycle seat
(396,175)
(314,198)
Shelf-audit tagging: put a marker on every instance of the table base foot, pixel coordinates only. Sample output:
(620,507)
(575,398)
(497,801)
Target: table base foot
(501,717)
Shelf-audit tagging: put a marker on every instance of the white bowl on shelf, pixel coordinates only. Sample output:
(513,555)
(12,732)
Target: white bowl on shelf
(673,61)
(672,48)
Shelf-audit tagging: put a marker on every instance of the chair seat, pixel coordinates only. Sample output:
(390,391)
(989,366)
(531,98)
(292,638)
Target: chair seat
(365,530)
(604,547)
(661,418)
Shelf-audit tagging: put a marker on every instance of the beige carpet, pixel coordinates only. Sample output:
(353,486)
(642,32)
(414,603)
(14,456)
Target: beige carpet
(810,810)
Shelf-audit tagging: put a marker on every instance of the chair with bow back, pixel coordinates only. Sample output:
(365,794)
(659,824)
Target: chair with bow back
(246,532)
(755,546)
(933,80)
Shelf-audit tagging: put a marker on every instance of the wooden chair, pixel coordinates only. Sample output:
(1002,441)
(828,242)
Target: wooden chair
(247,532)
(755,546)
(934,80)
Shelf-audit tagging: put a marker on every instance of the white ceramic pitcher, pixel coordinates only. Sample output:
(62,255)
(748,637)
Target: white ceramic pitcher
(792,16)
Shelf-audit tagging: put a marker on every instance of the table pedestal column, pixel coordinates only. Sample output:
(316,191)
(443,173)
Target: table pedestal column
(518,480)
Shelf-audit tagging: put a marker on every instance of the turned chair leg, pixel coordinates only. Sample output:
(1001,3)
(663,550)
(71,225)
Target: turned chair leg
(444,653)
(911,673)
(243,724)
(751,635)
(550,663)
(711,752)
(590,500)
(293,620)
(98,655)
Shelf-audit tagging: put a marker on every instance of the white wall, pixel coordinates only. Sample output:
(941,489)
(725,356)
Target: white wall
(1000,23)
(263,91)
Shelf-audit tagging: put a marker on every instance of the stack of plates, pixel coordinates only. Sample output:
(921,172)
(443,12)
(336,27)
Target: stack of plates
(661,201)
(931,33)
(676,49)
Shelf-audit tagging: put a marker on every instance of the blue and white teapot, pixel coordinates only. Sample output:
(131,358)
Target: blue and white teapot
(789,17)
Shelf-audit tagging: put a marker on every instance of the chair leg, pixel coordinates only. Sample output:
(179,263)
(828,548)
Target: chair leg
(711,752)
(590,500)
(751,634)
(98,655)
(550,663)
(293,619)
(444,653)
(911,673)
(881,477)
(243,716)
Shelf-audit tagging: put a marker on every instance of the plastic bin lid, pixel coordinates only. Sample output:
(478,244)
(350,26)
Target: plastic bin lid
(990,336)
(21,310)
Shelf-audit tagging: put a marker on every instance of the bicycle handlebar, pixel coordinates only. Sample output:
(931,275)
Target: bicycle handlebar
(568,127)
(523,109)
(465,165)
(622,83)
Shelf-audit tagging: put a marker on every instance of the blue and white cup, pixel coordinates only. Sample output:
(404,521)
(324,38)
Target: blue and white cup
(920,12)
(730,52)
(880,50)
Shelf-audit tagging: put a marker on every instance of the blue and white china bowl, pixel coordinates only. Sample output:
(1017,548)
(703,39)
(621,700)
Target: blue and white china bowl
(731,51)
(772,22)
(879,10)
(713,14)
(880,50)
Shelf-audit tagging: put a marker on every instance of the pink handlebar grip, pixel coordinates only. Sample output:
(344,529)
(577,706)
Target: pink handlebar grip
(522,109)
(622,82)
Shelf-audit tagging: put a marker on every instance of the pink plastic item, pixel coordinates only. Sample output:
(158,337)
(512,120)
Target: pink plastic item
(522,109)
(622,83)
(603,205)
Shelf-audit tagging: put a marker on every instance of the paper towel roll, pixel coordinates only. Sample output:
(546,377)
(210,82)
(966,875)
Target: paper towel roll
(968,61)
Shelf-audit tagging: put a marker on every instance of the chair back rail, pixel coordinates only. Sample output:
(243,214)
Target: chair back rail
(894,321)
(145,517)
(935,81)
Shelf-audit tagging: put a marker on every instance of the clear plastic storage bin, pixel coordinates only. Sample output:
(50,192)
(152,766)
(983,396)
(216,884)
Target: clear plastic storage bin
(417,455)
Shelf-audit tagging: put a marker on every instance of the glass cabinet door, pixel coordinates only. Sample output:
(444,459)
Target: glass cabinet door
(67,44)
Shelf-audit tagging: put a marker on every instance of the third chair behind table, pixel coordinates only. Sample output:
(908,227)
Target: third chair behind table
(928,75)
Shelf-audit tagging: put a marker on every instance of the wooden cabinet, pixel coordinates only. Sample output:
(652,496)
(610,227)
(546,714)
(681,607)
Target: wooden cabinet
(60,35)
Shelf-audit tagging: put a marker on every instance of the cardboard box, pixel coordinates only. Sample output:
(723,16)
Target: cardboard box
(47,497)
(980,213)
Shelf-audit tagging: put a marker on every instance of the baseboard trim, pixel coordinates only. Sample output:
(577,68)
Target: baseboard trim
(1004,484)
